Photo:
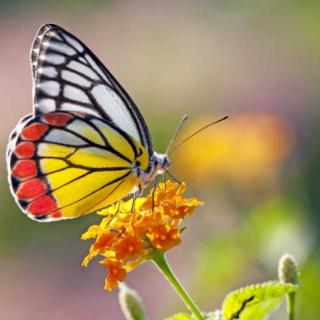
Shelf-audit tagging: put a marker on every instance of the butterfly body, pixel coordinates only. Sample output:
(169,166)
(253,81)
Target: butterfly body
(86,145)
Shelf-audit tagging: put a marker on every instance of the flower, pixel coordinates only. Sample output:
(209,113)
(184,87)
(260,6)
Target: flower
(115,273)
(131,231)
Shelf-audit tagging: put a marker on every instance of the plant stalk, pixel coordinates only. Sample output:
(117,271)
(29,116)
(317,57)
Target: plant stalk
(290,305)
(159,259)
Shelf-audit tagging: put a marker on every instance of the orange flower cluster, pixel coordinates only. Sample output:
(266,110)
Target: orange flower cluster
(130,232)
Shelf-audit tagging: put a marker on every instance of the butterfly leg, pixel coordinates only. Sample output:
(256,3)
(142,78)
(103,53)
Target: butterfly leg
(119,233)
(154,191)
(172,176)
(115,214)
(164,180)
(137,194)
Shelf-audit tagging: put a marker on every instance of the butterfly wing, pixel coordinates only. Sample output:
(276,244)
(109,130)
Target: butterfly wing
(69,77)
(62,165)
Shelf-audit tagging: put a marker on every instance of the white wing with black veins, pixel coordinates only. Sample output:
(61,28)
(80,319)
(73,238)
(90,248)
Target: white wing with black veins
(69,77)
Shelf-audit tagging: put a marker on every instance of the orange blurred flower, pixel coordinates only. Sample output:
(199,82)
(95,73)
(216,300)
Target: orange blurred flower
(126,239)
(246,149)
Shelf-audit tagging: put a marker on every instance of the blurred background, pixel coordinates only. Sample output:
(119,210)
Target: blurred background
(258,172)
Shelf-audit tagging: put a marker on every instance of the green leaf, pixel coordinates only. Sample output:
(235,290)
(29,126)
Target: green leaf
(256,301)
(216,315)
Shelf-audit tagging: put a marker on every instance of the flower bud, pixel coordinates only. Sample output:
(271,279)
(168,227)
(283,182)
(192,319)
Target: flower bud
(288,271)
(130,303)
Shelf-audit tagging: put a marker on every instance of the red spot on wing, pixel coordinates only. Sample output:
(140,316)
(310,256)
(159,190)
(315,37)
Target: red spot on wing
(24,169)
(58,119)
(34,131)
(42,205)
(25,149)
(56,215)
(31,188)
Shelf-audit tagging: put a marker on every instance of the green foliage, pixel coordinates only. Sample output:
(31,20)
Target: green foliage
(216,315)
(253,302)
(271,228)
(256,301)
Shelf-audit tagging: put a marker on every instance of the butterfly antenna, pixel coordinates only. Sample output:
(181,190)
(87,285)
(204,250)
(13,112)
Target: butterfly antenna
(195,133)
(182,121)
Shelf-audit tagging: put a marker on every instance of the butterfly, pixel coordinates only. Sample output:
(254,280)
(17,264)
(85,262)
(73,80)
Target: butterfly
(86,144)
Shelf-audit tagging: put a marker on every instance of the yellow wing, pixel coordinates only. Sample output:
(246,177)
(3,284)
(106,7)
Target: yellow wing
(64,165)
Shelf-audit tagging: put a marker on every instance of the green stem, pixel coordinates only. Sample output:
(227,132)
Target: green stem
(290,305)
(159,259)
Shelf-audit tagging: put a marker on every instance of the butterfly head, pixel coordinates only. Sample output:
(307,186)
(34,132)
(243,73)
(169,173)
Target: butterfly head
(159,163)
